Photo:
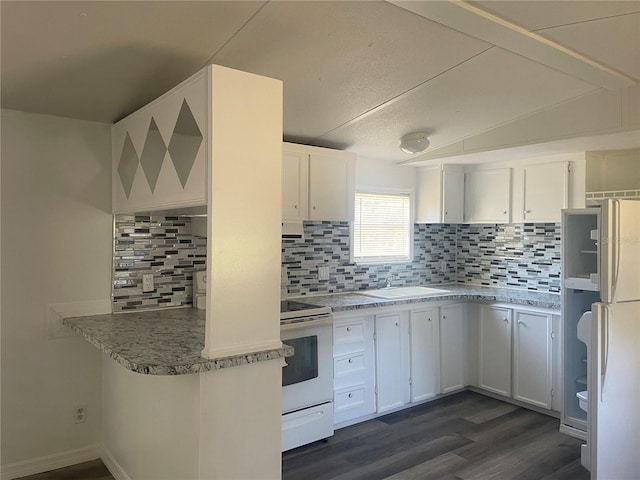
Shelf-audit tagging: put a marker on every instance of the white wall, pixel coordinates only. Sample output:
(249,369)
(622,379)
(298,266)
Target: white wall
(151,424)
(382,174)
(56,246)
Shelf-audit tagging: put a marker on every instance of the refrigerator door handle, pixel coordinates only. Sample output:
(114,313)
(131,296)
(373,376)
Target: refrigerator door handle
(615,246)
(604,358)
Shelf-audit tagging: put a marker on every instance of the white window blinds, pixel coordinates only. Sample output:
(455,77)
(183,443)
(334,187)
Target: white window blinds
(382,228)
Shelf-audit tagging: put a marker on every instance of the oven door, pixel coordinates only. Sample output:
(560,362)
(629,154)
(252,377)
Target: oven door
(307,378)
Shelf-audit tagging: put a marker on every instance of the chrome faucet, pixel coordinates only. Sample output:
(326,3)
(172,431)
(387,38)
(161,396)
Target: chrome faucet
(388,280)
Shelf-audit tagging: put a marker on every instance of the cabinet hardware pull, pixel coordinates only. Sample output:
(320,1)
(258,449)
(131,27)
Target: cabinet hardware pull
(295,206)
(504,213)
(350,395)
(350,360)
(506,320)
(348,329)
(520,322)
(527,211)
(444,317)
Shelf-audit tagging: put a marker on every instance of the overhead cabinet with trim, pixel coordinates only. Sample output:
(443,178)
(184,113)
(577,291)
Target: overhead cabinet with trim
(317,183)
(545,192)
(440,194)
(487,196)
(159,153)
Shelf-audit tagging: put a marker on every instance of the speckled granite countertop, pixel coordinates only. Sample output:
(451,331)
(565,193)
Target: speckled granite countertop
(165,342)
(340,302)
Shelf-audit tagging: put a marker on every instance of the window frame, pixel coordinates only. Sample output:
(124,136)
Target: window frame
(384,260)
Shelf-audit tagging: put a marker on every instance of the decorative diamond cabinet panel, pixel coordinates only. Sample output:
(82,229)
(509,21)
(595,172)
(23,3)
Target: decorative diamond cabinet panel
(159,152)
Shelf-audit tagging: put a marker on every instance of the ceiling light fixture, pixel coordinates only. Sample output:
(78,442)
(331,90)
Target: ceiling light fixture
(414,143)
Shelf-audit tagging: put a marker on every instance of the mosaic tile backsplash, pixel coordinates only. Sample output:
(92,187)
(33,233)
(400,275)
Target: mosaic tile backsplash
(162,246)
(327,244)
(525,256)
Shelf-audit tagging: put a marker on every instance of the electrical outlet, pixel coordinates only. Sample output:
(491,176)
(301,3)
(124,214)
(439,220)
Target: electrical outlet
(443,265)
(80,413)
(147,282)
(323,273)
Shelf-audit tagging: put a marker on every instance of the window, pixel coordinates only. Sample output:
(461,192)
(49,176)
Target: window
(382,228)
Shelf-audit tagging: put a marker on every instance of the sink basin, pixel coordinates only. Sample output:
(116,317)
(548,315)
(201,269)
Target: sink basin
(393,293)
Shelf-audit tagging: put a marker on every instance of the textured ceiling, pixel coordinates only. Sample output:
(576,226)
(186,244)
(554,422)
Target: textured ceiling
(357,74)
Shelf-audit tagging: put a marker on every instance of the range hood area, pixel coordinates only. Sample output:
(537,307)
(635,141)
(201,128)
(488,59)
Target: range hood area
(292,229)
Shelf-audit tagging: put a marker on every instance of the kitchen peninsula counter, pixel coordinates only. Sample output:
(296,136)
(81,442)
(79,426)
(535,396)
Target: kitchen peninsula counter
(355,300)
(160,342)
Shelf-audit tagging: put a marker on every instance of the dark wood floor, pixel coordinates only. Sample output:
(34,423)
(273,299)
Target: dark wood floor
(94,470)
(465,436)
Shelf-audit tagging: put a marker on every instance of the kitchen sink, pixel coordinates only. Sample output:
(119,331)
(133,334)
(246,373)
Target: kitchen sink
(392,293)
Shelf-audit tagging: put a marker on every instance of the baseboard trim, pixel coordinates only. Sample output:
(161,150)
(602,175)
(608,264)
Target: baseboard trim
(50,462)
(113,466)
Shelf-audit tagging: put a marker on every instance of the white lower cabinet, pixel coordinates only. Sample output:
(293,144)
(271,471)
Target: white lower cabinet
(389,358)
(453,348)
(494,349)
(392,352)
(425,359)
(532,358)
(353,367)
(407,357)
(517,354)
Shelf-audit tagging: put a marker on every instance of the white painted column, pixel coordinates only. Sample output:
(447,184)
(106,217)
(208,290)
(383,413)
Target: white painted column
(244,213)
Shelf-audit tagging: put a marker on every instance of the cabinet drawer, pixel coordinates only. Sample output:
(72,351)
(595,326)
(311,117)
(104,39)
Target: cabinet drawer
(348,399)
(348,332)
(348,364)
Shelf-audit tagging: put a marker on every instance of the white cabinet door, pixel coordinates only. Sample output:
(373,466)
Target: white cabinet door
(429,204)
(424,354)
(546,191)
(392,379)
(453,348)
(295,185)
(440,194)
(487,196)
(452,194)
(532,358)
(494,365)
(331,187)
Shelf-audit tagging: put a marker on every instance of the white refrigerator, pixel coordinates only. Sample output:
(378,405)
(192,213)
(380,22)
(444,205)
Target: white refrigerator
(601,275)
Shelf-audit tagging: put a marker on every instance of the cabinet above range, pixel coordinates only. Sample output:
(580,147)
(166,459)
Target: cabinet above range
(317,183)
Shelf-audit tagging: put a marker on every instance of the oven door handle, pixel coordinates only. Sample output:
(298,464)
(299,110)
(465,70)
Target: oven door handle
(314,322)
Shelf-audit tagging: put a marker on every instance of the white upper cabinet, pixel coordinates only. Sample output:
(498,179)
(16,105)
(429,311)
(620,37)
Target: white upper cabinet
(487,196)
(440,194)
(159,152)
(317,183)
(545,191)
(295,185)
